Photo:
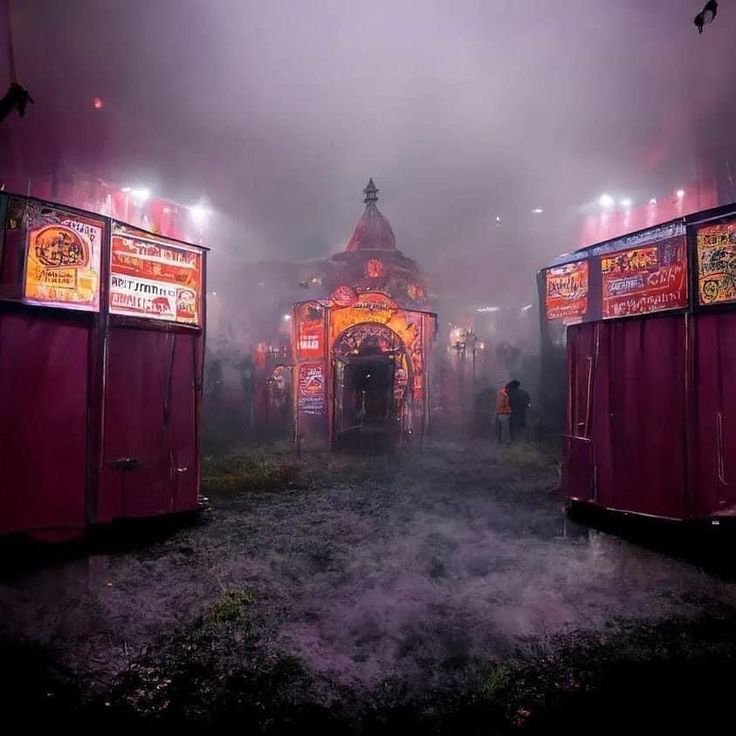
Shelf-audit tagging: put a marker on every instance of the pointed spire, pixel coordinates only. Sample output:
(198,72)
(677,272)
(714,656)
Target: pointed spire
(371,193)
(373,231)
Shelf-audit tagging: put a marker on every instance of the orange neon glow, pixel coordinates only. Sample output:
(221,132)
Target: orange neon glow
(377,308)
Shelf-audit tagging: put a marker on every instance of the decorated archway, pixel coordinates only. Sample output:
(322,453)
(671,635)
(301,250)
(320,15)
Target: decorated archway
(366,337)
(370,369)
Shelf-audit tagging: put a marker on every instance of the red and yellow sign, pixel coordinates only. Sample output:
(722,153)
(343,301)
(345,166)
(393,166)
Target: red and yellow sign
(717,263)
(63,263)
(371,307)
(643,280)
(566,292)
(343,296)
(154,279)
(311,390)
(310,331)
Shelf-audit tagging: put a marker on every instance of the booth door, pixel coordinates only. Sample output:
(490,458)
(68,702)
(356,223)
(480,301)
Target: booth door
(186,382)
(364,398)
(639,415)
(577,454)
(715,437)
(343,403)
(150,461)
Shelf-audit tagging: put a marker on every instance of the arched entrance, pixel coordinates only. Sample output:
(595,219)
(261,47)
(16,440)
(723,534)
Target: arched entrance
(371,376)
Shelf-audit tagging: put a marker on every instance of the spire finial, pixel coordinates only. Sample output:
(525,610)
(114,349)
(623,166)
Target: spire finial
(371,192)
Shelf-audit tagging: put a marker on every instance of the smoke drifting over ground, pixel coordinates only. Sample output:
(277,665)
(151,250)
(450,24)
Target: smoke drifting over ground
(463,111)
(424,571)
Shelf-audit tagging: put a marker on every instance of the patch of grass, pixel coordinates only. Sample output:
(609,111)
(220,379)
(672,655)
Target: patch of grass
(498,684)
(528,457)
(348,470)
(241,472)
(232,606)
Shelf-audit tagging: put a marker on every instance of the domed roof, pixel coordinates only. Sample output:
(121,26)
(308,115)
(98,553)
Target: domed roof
(373,231)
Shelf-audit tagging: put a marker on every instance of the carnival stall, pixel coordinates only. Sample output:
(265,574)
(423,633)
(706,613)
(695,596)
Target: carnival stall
(101,357)
(649,321)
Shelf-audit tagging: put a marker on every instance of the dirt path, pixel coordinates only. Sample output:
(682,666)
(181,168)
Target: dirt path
(411,576)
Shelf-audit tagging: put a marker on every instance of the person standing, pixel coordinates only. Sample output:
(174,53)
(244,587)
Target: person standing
(519,400)
(503,416)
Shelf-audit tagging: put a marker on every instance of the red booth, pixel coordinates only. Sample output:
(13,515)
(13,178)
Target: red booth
(650,322)
(101,358)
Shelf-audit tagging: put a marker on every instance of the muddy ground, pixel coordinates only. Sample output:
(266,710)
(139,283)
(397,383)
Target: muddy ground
(441,591)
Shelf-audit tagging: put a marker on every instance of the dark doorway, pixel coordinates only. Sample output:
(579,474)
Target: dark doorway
(364,407)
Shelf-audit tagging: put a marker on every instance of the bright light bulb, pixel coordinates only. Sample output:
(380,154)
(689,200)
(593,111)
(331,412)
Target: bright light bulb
(606,201)
(626,202)
(199,213)
(537,210)
(140,194)
(287,317)
(653,200)
(680,193)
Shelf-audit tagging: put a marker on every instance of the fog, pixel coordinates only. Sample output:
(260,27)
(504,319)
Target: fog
(352,581)
(413,574)
(277,113)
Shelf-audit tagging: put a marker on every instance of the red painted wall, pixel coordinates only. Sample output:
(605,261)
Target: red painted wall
(662,435)
(43,409)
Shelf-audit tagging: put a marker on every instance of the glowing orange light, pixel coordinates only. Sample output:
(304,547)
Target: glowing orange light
(374,268)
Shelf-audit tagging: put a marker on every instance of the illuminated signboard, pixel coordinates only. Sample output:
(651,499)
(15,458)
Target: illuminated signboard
(343,296)
(63,262)
(154,279)
(566,292)
(310,330)
(717,263)
(311,389)
(643,280)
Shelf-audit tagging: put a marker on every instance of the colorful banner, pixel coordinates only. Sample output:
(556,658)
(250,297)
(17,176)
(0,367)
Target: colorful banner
(311,390)
(567,292)
(643,280)
(717,263)
(63,262)
(309,320)
(155,280)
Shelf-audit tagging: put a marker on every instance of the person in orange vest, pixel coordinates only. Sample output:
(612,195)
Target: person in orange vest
(503,416)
